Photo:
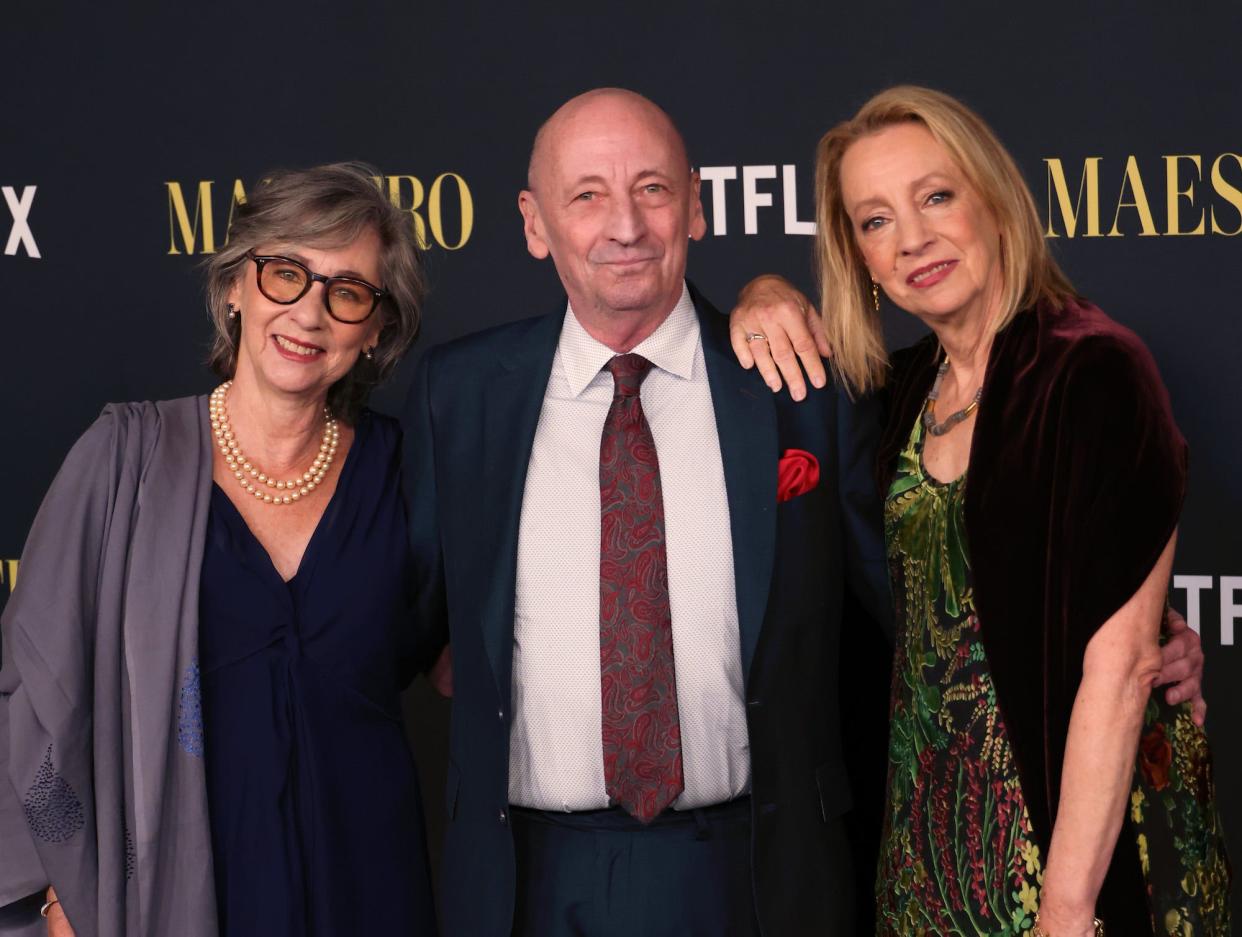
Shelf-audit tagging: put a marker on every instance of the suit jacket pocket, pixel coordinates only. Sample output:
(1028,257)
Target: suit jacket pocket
(451,783)
(833,785)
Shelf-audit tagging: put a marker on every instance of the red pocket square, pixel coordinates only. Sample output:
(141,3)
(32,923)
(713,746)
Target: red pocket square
(796,474)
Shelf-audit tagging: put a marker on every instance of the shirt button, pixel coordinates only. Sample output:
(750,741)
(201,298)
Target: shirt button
(504,818)
(500,714)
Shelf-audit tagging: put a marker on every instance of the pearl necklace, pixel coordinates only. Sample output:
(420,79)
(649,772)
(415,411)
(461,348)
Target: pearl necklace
(269,490)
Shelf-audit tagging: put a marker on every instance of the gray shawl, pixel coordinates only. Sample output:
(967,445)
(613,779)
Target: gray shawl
(101,772)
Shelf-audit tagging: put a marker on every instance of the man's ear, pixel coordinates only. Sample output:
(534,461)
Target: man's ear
(698,224)
(532,225)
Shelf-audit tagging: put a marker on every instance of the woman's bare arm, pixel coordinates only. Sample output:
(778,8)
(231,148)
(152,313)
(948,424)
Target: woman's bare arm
(1120,668)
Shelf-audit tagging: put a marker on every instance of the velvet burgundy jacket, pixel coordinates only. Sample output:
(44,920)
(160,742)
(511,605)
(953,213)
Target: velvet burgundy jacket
(1075,482)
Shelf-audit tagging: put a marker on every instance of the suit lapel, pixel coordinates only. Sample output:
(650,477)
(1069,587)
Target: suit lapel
(513,398)
(746,425)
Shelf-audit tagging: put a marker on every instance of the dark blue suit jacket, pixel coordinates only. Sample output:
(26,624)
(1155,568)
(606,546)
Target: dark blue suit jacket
(470,425)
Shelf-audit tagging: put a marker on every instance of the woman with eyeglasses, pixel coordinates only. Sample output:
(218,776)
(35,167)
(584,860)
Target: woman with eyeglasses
(200,727)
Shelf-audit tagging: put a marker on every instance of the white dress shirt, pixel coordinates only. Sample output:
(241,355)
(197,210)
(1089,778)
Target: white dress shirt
(555,746)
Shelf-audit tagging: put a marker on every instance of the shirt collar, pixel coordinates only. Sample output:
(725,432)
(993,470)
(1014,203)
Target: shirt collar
(671,347)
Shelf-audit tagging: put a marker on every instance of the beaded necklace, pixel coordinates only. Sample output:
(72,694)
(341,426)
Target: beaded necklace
(929,418)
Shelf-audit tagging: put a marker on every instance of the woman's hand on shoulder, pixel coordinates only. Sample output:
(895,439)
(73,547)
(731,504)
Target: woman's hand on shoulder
(776,328)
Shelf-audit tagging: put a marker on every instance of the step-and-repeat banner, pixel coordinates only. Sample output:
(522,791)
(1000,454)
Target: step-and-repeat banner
(129,141)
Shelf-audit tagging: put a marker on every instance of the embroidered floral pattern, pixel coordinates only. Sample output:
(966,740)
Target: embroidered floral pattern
(1175,825)
(190,713)
(52,809)
(131,855)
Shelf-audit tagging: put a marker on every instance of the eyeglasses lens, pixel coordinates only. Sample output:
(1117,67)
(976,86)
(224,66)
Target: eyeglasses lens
(281,281)
(349,302)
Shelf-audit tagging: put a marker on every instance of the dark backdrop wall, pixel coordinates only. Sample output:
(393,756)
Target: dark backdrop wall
(128,138)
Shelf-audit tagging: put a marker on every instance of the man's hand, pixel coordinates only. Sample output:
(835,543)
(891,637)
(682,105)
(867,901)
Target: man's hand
(441,673)
(792,332)
(1182,664)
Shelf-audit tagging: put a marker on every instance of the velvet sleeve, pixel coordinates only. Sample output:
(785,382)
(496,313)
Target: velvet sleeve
(1119,485)
(1125,472)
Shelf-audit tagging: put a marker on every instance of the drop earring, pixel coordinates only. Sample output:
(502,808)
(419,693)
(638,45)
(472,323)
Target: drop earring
(233,311)
(369,353)
(875,295)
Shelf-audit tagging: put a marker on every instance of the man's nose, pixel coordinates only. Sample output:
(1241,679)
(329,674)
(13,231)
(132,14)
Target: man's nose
(626,224)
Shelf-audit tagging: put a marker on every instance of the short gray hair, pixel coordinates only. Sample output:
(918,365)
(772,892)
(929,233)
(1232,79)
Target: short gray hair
(326,206)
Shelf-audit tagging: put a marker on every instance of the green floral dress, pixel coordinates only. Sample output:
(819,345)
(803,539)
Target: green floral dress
(957,856)
(1176,828)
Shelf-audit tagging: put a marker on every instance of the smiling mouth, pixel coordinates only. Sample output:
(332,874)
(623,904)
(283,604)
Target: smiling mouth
(920,275)
(629,261)
(306,351)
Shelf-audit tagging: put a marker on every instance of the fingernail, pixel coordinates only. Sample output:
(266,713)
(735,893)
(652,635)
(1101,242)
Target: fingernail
(819,381)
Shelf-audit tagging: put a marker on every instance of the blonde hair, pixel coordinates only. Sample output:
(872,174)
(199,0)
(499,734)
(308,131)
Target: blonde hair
(1029,275)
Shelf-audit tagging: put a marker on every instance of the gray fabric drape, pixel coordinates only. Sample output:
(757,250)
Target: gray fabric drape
(101,773)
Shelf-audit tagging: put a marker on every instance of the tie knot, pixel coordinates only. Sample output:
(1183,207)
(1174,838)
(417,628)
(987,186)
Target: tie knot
(627,372)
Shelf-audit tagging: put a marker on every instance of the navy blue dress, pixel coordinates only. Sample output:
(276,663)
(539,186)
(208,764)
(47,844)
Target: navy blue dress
(316,819)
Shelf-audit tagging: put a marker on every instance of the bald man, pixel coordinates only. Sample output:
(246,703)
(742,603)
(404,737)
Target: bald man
(639,554)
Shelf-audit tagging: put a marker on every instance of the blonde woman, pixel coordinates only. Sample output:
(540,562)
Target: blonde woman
(1034,477)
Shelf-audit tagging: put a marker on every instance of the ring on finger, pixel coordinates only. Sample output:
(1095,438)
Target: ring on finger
(756,337)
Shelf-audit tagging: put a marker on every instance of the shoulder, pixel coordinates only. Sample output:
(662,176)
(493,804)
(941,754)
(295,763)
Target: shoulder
(495,342)
(146,416)
(115,454)
(378,429)
(1098,387)
(1089,354)
(124,426)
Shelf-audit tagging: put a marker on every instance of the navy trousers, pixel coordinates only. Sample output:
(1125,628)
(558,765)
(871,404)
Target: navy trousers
(601,873)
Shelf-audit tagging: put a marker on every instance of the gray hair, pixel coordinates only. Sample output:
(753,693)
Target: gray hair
(326,206)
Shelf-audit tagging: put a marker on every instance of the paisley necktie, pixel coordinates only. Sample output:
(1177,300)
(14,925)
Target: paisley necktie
(641,731)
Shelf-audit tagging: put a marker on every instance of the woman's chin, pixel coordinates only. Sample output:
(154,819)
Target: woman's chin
(296,380)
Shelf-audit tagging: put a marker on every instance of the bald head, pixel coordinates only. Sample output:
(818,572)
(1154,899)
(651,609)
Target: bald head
(592,112)
(613,201)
